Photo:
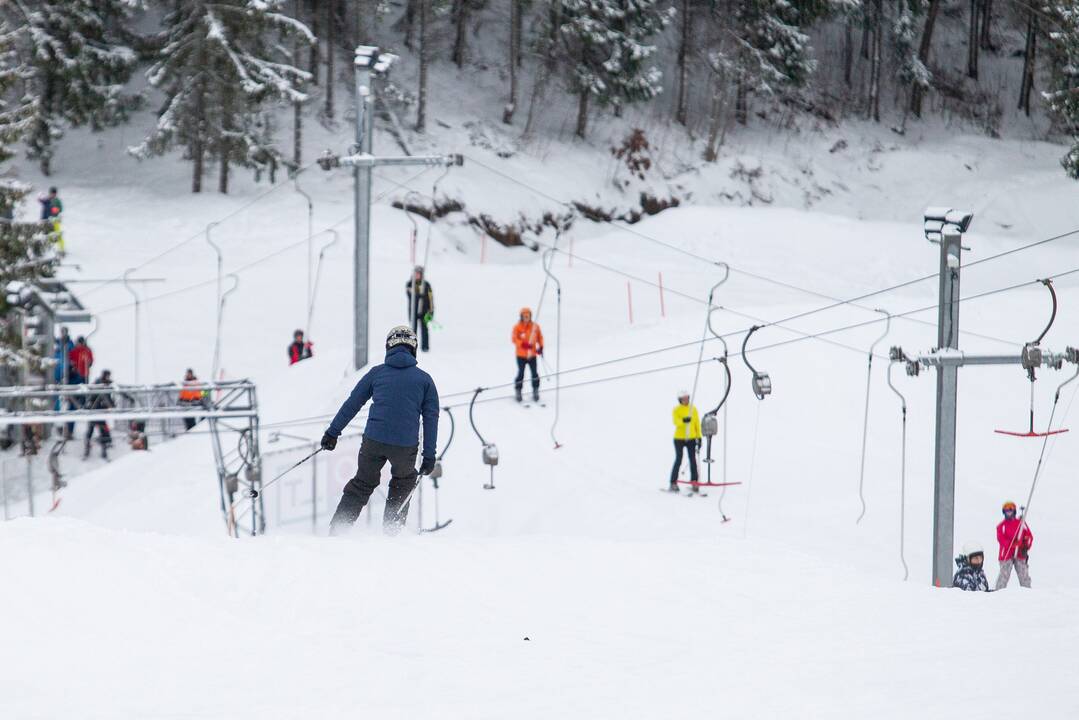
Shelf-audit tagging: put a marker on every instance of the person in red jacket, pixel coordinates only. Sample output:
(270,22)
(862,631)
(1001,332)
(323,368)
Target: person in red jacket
(80,359)
(299,349)
(1015,539)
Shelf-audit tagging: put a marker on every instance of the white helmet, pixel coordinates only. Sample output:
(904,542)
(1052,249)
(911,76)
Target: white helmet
(401,335)
(683,393)
(972,548)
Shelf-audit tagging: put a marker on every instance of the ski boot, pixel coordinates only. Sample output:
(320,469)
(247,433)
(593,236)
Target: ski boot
(535,394)
(517,395)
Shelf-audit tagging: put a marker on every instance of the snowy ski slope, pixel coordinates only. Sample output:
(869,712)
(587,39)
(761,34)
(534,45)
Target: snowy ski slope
(574,589)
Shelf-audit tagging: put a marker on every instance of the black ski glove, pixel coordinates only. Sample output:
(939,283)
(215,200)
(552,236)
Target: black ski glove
(329,442)
(427,465)
(685,419)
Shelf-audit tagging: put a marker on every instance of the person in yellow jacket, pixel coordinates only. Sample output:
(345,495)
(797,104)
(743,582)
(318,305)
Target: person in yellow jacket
(687,437)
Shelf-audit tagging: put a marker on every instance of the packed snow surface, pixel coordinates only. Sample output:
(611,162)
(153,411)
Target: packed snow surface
(575,589)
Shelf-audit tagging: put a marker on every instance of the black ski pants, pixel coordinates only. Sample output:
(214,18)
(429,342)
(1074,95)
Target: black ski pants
(522,363)
(420,328)
(105,437)
(373,457)
(690,446)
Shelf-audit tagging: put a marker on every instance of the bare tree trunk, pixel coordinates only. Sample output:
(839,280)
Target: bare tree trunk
(875,60)
(511,106)
(1029,57)
(421,103)
(741,104)
(973,39)
(198,156)
(198,147)
(683,66)
(519,29)
(918,93)
(223,180)
(410,24)
(715,122)
(297,134)
(297,108)
(460,40)
(582,114)
(546,68)
(330,80)
(313,69)
(987,20)
(848,51)
(866,38)
(45,137)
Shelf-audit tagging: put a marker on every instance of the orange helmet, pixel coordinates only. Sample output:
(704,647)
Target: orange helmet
(1008,506)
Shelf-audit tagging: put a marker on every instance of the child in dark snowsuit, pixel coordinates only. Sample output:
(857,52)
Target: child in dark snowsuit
(970,575)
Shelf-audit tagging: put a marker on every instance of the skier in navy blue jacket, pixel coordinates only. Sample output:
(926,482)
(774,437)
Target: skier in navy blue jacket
(400,394)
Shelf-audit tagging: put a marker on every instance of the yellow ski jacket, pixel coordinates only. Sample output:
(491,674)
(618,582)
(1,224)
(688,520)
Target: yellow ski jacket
(686,430)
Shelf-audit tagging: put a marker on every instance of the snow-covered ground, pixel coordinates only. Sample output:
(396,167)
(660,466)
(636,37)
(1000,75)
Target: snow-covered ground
(575,589)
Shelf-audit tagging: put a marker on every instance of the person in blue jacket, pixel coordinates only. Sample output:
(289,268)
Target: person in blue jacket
(400,394)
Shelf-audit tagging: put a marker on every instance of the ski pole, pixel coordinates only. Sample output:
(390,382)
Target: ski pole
(252,493)
(231,519)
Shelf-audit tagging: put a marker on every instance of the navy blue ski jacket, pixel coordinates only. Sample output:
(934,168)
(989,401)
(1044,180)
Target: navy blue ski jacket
(400,393)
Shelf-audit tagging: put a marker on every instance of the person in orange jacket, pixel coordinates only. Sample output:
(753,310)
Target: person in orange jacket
(193,395)
(528,339)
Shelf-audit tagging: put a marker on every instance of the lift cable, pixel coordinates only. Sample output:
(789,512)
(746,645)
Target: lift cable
(253,263)
(201,233)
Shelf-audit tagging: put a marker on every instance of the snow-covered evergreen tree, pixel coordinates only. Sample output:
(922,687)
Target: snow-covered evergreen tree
(219,65)
(24,246)
(772,53)
(911,73)
(80,63)
(608,45)
(16,116)
(1063,91)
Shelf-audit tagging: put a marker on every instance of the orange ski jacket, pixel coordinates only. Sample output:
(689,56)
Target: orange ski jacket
(528,339)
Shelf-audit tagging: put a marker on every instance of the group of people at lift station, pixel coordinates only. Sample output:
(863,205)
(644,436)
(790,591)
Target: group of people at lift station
(73,362)
(1014,540)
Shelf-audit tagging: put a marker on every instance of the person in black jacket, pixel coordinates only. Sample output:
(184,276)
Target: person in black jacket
(400,394)
(421,306)
(970,575)
(99,401)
